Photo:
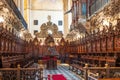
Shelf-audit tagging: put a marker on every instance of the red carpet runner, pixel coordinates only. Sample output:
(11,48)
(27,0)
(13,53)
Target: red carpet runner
(56,77)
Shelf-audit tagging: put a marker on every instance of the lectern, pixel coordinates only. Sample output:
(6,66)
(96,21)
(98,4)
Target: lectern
(51,62)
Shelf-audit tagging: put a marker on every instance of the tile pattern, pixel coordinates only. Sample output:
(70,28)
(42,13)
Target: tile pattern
(62,69)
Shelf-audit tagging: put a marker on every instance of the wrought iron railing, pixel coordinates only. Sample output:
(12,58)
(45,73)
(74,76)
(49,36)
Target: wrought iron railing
(21,73)
(16,11)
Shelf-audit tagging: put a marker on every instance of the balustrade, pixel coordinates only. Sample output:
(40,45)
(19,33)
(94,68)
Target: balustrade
(94,73)
(21,73)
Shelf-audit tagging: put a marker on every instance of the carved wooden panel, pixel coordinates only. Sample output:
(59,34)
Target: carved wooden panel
(82,48)
(98,46)
(110,44)
(94,46)
(89,47)
(0,44)
(103,46)
(77,49)
(117,43)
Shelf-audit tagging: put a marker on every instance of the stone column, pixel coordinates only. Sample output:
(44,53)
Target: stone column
(18,4)
(80,8)
(73,12)
(65,8)
(29,13)
(22,6)
(69,14)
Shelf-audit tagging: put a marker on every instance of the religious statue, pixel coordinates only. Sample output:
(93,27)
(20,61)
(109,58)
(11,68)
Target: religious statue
(49,23)
(52,50)
(51,47)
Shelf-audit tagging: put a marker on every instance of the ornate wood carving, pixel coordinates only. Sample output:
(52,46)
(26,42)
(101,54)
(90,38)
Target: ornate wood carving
(49,28)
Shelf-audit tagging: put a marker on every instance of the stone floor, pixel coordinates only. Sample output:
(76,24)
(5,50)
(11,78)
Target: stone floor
(61,69)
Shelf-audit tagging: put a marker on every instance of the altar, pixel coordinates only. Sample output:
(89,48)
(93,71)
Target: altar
(49,36)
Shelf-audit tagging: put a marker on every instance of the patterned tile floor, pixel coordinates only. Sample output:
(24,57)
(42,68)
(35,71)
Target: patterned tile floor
(62,69)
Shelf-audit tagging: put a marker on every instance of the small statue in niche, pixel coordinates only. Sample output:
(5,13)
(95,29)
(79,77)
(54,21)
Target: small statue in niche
(93,32)
(49,23)
(110,29)
(51,49)
(104,31)
(98,30)
(118,24)
(72,27)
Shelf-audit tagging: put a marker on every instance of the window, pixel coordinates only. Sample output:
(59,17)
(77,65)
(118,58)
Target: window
(60,23)
(92,8)
(35,31)
(96,5)
(35,22)
(83,8)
